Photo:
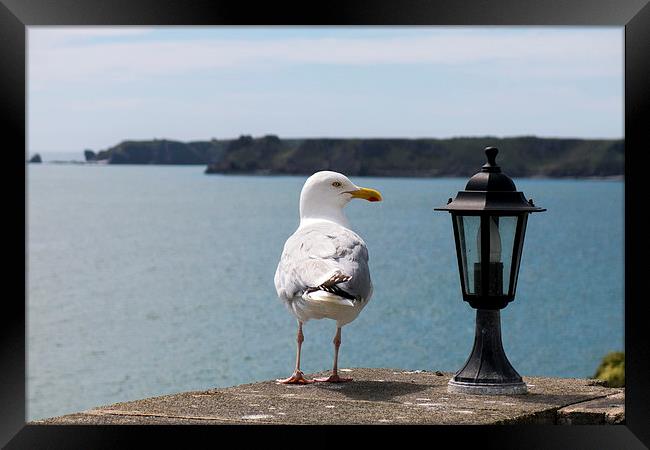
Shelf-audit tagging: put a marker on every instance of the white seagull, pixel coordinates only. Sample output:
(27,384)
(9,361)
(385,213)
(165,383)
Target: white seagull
(323,271)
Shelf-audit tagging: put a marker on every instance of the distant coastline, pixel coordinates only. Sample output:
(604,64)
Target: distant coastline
(525,156)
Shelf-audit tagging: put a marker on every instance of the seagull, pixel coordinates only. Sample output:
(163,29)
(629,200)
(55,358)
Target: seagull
(323,270)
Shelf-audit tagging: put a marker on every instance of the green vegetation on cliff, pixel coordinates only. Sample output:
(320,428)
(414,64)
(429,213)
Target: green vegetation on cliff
(612,369)
(523,156)
(162,151)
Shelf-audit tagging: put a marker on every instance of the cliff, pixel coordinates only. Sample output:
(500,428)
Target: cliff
(526,156)
(162,152)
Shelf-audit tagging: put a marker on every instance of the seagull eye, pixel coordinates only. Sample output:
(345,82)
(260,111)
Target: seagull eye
(336,184)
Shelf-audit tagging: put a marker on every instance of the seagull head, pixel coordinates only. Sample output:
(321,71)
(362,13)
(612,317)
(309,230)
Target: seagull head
(325,194)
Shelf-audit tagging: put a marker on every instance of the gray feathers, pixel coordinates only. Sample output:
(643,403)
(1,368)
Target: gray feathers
(324,254)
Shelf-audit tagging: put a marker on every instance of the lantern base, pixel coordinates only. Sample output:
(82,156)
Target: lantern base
(487,370)
(463,387)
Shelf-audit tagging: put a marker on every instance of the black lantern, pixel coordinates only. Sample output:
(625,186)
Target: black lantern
(489,219)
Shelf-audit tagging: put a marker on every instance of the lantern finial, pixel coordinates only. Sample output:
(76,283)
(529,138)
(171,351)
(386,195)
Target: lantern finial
(491,165)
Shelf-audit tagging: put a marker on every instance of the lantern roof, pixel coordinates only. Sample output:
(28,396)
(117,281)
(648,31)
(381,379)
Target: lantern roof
(490,191)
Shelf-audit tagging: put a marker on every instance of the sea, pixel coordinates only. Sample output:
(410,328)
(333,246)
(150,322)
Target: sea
(151,280)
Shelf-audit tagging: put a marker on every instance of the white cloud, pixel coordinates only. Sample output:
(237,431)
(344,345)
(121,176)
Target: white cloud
(68,55)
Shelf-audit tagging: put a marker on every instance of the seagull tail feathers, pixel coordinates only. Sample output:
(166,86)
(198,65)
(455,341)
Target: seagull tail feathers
(327,297)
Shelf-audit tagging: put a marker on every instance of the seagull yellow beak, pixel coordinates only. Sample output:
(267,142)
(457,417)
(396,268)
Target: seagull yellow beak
(369,194)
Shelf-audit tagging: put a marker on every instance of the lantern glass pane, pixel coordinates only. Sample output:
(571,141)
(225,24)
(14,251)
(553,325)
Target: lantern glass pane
(516,261)
(470,253)
(502,242)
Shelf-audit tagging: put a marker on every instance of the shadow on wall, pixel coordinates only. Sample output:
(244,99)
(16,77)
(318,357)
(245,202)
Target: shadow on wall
(377,391)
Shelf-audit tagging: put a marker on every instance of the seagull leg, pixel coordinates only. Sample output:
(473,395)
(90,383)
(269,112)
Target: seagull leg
(335,378)
(297,377)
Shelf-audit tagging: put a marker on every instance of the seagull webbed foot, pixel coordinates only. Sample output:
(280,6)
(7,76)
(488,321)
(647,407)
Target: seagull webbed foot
(334,378)
(296,378)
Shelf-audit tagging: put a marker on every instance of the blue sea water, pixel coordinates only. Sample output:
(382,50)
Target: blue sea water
(149,280)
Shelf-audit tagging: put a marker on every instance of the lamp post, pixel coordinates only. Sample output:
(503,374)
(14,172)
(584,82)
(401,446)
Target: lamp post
(489,219)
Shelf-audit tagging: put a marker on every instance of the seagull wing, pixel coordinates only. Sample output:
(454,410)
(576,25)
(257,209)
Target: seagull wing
(327,257)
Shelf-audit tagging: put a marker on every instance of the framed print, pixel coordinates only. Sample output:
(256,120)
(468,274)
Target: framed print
(363,41)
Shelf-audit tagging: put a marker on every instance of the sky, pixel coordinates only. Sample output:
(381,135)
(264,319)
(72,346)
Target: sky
(93,87)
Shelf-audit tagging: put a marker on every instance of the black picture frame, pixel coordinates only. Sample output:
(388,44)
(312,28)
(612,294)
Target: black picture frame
(16,15)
